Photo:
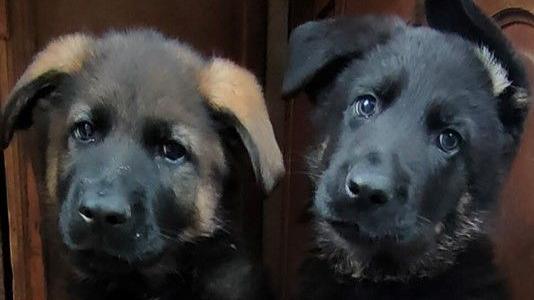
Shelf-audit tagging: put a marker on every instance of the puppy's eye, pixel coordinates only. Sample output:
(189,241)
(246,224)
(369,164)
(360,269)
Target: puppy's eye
(172,151)
(83,132)
(449,140)
(365,106)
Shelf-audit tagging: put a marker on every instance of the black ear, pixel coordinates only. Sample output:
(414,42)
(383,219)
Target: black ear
(316,46)
(465,18)
(19,109)
(39,81)
(509,77)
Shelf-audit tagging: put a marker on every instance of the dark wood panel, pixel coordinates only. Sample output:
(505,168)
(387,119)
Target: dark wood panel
(514,241)
(23,205)
(273,211)
(3,84)
(3,231)
(2,276)
(404,8)
(212,26)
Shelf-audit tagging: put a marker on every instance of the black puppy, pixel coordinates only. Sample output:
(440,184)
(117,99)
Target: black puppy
(416,128)
(133,128)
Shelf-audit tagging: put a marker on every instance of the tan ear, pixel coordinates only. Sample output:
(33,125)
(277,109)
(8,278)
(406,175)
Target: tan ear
(234,91)
(65,54)
(60,58)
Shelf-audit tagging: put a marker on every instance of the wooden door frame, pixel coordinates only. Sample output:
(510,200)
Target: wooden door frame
(26,251)
(274,209)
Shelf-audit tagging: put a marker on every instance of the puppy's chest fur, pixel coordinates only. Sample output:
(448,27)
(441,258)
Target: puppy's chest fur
(204,270)
(473,277)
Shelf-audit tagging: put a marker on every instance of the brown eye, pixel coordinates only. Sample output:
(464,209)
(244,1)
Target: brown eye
(83,132)
(449,140)
(172,151)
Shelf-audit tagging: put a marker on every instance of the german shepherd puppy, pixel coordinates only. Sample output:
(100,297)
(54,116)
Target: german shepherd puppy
(135,157)
(416,129)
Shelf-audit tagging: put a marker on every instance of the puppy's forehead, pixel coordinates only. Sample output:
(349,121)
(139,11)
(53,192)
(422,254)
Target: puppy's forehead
(142,75)
(425,64)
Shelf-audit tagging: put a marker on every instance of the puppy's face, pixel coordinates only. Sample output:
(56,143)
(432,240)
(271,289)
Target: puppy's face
(416,127)
(416,141)
(134,159)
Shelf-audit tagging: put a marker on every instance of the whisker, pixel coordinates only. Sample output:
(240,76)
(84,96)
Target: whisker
(426,220)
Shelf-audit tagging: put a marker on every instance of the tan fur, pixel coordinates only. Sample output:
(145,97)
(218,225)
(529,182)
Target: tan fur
(51,172)
(206,210)
(498,75)
(232,89)
(207,195)
(66,54)
(53,159)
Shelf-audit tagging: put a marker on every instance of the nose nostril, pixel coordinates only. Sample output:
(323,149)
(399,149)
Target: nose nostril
(352,189)
(378,198)
(116,219)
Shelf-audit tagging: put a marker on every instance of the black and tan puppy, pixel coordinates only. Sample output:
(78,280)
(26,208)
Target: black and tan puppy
(416,129)
(135,159)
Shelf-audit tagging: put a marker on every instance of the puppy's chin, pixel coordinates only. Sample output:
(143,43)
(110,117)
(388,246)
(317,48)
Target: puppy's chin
(428,252)
(376,258)
(96,255)
(91,262)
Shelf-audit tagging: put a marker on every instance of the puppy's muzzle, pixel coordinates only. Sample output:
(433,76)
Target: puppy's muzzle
(108,215)
(369,188)
(105,208)
(109,200)
(373,198)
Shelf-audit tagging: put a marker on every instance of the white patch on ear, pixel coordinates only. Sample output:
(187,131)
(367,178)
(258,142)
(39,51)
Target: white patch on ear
(498,75)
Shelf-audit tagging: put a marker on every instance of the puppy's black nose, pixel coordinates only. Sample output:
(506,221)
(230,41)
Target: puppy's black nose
(368,188)
(106,211)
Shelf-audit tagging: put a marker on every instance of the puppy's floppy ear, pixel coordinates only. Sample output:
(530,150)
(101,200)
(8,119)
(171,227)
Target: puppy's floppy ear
(508,76)
(234,92)
(49,68)
(316,45)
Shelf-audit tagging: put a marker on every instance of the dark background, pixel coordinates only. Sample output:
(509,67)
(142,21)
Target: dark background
(254,34)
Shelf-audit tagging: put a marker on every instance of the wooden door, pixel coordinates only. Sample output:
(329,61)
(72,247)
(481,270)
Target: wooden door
(228,28)
(3,231)
(514,238)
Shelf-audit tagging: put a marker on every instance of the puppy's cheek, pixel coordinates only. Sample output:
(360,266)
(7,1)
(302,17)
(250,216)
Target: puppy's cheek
(70,230)
(207,202)
(330,187)
(205,221)
(55,156)
(322,201)
(150,246)
(211,170)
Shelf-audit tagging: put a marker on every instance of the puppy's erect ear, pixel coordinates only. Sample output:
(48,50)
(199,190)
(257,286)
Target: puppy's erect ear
(234,92)
(509,79)
(59,59)
(314,46)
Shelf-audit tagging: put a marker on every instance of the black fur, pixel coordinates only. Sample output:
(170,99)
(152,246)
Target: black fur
(398,213)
